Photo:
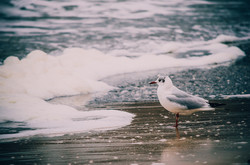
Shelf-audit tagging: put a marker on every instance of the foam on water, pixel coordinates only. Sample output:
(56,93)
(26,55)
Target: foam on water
(122,9)
(26,83)
(77,71)
(50,119)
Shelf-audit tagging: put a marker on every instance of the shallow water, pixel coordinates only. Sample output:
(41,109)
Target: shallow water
(212,137)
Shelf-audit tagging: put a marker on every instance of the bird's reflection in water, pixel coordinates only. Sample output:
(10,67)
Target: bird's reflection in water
(185,150)
(177,133)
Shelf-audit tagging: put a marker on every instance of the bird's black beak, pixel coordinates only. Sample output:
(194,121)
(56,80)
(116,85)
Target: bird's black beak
(153,82)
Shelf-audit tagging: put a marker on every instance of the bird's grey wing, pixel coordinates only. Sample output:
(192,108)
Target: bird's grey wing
(179,93)
(190,102)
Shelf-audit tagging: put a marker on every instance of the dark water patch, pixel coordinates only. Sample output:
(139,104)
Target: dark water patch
(6,3)
(70,7)
(231,16)
(246,48)
(10,127)
(21,46)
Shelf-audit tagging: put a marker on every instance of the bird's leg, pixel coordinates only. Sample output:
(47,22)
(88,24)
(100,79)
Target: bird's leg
(176,120)
(177,133)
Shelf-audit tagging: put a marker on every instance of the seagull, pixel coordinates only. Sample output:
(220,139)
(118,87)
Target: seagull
(178,101)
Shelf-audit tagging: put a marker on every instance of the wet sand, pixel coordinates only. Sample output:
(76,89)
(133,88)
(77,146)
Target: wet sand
(212,137)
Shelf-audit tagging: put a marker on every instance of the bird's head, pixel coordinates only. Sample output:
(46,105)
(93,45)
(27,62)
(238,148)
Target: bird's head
(163,81)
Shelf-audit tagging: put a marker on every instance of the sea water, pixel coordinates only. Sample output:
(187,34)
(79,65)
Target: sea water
(55,49)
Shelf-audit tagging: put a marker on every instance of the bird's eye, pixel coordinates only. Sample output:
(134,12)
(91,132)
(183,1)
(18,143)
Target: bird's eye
(161,80)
